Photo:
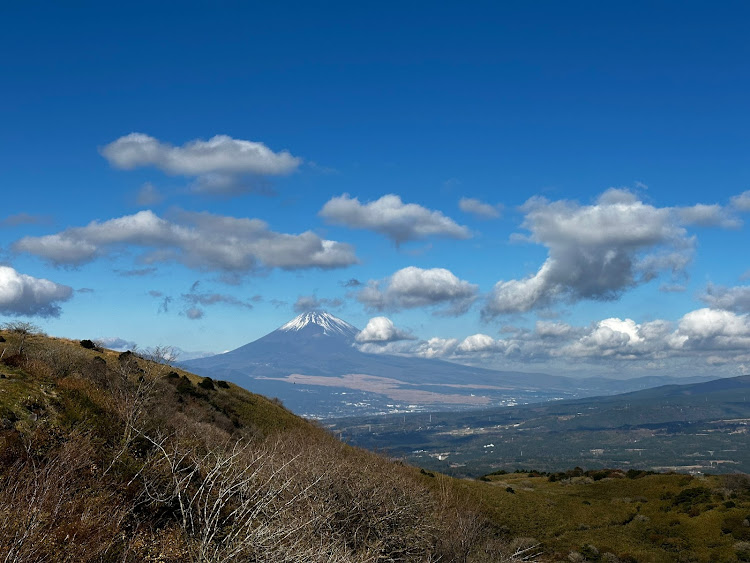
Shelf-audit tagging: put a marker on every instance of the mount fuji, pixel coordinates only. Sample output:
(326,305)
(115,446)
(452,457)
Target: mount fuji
(313,364)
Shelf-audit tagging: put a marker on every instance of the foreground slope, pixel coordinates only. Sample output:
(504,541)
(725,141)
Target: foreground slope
(313,364)
(121,457)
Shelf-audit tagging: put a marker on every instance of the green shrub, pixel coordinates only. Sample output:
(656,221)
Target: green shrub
(185,386)
(687,499)
(207,383)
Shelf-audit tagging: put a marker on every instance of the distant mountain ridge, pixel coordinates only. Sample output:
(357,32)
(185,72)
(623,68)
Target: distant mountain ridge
(312,363)
(692,427)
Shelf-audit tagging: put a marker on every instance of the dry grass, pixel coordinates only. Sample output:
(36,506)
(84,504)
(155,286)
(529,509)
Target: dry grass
(109,457)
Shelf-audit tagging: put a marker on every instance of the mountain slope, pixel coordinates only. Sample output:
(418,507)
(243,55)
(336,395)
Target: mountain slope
(313,365)
(123,458)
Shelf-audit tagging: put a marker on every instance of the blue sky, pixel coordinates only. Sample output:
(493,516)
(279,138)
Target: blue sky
(540,186)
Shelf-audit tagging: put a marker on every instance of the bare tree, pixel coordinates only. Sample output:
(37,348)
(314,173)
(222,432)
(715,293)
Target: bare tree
(132,384)
(23,330)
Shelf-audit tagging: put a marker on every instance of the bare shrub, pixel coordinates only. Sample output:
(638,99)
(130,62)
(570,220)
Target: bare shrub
(236,501)
(49,511)
(60,359)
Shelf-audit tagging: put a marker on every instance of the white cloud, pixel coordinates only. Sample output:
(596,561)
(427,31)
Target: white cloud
(437,347)
(730,298)
(702,215)
(381,330)
(479,208)
(712,330)
(594,252)
(701,338)
(221,164)
(477,343)
(609,337)
(414,287)
(741,202)
(389,216)
(220,154)
(202,241)
(550,329)
(21,294)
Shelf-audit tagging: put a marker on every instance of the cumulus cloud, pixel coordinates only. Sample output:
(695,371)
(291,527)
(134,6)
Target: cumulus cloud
(702,215)
(477,343)
(381,330)
(552,329)
(608,337)
(221,165)
(202,241)
(220,154)
(735,299)
(25,295)
(741,202)
(436,348)
(478,208)
(399,221)
(414,287)
(705,337)
(313,303)
(594,252)
(712,330)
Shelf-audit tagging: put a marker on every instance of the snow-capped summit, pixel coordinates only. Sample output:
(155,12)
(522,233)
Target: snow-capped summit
(331,325)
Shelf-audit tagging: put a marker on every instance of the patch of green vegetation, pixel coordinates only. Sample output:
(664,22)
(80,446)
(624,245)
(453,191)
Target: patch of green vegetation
(652,518)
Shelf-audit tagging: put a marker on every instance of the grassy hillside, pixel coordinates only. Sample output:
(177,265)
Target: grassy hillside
(121,457)
(627,517)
